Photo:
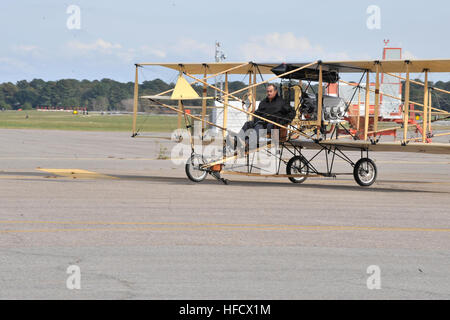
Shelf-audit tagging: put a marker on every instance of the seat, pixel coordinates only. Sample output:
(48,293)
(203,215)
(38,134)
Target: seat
(283,135)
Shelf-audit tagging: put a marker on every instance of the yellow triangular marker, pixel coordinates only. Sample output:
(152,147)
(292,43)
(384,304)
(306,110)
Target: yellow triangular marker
(183,90)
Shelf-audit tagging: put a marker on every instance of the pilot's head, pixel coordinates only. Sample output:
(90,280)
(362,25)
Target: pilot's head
(271,91)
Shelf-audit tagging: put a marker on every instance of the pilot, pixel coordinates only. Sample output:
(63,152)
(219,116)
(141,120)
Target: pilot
(273,108)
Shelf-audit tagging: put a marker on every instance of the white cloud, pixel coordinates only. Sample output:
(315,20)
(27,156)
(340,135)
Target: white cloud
(408,55)
(23,48)
(190,47)
(103,47)
(143,52)
(12,64)
(152,51)
(286,47)
(27,51)
(99,45)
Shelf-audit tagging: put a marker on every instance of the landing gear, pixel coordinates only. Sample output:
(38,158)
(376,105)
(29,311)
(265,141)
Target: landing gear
(365,172)
(297,165)
(216,175)
(196,173)
(193,168)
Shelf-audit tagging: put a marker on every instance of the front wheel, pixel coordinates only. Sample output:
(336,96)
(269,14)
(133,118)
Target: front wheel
(193,168)
(297,165)
(365,172)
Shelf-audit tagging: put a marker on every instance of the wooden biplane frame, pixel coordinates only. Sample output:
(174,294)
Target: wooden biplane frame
(300,133)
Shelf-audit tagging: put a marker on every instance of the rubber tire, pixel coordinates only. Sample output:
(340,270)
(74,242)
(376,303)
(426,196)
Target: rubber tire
(188,169)
(289,166)
(356,169)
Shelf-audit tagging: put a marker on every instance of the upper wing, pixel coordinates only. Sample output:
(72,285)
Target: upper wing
(213,67)
(393,66)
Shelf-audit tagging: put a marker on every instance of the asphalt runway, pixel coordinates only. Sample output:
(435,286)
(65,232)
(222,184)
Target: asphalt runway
(139,229)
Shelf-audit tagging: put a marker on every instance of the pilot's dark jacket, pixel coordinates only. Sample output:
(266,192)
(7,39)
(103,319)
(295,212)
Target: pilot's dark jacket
(277,110)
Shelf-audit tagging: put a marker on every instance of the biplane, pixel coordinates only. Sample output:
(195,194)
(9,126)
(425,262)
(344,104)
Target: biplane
(323,123)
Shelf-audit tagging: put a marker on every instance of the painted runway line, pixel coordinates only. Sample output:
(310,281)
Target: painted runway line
(175,226)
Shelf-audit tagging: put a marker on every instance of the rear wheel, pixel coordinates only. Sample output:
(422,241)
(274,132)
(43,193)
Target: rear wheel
(193,170)
(297,165)
(365,172)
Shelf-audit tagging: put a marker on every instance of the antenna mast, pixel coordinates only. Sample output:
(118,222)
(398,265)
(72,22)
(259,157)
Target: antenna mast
(219,57)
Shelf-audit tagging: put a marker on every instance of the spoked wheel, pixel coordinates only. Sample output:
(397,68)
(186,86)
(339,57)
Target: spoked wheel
(193,170)
(365,172)
(297,165)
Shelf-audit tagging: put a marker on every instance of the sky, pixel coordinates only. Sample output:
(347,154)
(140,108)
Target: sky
(49,40)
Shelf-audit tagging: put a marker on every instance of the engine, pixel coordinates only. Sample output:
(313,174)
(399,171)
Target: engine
(333,108)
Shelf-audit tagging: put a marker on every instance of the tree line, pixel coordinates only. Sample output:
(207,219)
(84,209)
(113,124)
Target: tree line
(97,95)
(111,95)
